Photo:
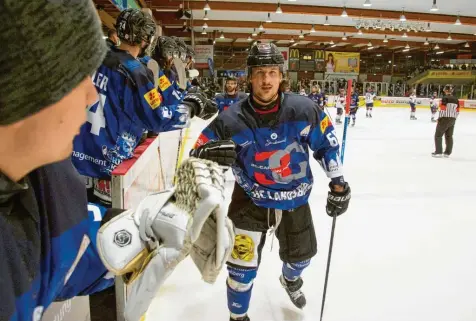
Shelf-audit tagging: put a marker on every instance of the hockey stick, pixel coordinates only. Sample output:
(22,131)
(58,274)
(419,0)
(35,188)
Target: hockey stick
(334,217)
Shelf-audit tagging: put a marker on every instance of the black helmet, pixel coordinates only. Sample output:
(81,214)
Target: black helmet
(448,88)
(182,48)
(264,54)
(134,26)
(166,48)
(190,52)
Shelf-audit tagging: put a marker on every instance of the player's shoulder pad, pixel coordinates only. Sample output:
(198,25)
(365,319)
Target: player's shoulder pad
(242,95)
(219,96)
(299,108)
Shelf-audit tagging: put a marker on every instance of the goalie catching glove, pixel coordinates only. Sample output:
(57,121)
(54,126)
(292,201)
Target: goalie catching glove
(144,246)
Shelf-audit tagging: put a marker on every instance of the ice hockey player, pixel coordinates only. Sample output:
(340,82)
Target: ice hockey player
(449,111)
(127,106)
(413,102)
(317,96)
(340,105)
(48,241)
(231,94)
(272,132)
(354,106)
(434,106)
(369,101)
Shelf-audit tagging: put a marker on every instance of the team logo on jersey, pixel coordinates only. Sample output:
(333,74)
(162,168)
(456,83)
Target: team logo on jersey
(325,123)
(244,248)
(122,238)
(274,136)
(154,98)
(164,83)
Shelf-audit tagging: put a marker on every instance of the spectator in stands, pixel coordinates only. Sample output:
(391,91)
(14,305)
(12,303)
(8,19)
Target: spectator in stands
(112,38)
(285,86)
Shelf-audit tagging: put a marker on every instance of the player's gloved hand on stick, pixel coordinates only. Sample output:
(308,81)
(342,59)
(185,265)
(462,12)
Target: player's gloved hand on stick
(338,201)
(220,151)
(200,105)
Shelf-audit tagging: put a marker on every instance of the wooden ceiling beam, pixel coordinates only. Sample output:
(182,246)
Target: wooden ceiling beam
(315,10)
(319,39)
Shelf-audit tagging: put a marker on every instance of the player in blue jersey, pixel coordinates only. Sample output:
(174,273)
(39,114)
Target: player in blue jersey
(230,96)
(273,132)
(128,105)
(318,96)
(354,106)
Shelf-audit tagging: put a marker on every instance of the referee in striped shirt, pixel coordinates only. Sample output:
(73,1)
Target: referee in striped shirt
(449,110)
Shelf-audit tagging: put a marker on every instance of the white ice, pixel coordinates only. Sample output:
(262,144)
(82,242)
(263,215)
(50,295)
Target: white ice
(404,251)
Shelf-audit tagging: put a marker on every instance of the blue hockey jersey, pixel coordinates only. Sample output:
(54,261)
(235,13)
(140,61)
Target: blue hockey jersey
(224,101)
(128,104)
(272,164)
(319,99)
(47,242)
(354,100)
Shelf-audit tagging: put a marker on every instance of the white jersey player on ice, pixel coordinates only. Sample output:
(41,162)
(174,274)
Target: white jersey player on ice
(340,105)
(369,101)
(413,102)
(434,106)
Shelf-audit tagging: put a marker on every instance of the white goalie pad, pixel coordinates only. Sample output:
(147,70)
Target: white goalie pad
(145,245)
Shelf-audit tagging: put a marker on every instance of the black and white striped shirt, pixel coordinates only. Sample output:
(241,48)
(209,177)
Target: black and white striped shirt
(449,107)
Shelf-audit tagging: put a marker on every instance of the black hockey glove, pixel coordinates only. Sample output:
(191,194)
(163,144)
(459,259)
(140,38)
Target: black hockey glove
(221,151)
(337,202)
(201,106)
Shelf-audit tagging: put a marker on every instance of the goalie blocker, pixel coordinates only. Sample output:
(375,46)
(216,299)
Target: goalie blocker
(145,245)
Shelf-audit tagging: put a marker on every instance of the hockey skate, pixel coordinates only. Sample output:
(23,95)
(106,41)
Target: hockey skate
(293,290)
(245,318)
(435,155)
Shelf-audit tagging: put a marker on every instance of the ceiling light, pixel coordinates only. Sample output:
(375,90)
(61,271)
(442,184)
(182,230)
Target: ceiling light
(222,36)
(367,3)
(402,16)
(369,44)
(434,7)
(407,46)
(204,32)
(261,28)
(292,0)
(385,39)
(428,28)
(292,40)
(466,45)
(440,52)
(205,17)
(332,42)
(207,7)
(278,9)
(449,37)
(269,18)
(301,35)
(326,23)
(333,46)
(249,38)
(370,48)
(214,41)
(344,14)
(313,29)
(404,35)
(254,34)
(458,22)
(344,37)
(360,32)
(426,42)
(437,47)
(205,26)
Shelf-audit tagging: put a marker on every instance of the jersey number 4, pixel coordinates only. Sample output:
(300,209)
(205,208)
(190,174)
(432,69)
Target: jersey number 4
(96,118)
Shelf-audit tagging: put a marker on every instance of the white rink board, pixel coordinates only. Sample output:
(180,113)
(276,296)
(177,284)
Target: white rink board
(400,253)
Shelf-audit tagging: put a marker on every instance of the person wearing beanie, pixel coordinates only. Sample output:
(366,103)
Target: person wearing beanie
(49,246)
(128,105)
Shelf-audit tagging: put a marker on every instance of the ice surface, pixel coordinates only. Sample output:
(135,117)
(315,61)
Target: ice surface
(404,251)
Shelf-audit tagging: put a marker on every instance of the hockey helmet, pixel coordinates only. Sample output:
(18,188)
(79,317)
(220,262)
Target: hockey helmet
(165,50)
(181,47)
(190,52)
(134,26)
(264,54)
(448,89)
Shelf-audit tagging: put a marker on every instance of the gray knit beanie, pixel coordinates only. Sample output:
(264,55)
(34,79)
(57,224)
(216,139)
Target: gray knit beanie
(47,47)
